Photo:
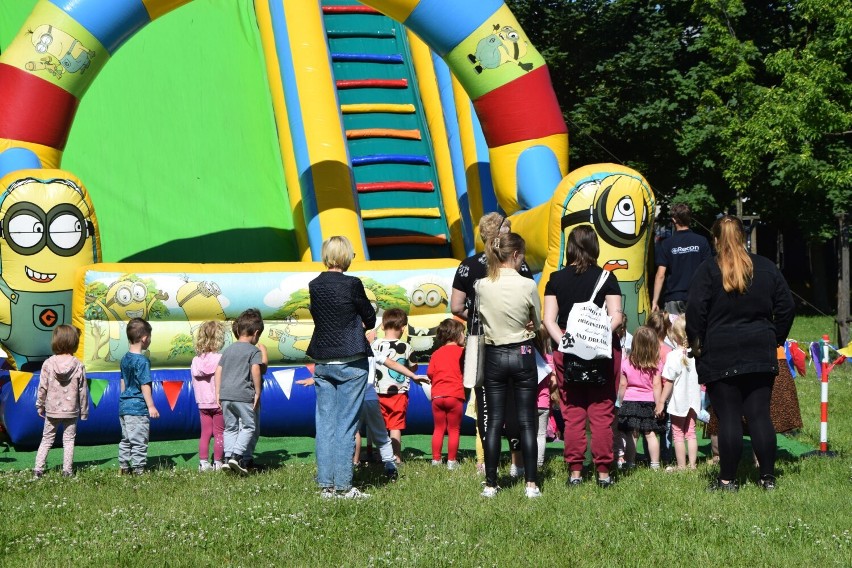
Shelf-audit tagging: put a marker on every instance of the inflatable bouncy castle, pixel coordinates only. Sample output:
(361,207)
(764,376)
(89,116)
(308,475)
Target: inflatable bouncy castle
(229,139)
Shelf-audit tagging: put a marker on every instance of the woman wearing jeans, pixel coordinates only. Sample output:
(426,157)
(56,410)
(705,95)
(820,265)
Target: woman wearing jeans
(510,310)
(739,311)
(341,312)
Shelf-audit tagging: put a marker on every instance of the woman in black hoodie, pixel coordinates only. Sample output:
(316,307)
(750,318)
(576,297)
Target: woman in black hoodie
(739,311)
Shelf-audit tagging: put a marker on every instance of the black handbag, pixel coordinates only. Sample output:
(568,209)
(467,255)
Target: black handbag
(581,372)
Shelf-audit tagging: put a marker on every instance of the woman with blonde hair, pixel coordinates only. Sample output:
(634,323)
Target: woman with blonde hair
(510,312)
(739,311)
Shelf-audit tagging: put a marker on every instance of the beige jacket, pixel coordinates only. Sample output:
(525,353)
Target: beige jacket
(506,306)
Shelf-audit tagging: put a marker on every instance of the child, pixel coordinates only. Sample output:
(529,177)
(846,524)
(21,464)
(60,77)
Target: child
(445,372)
(393,386)
(638,393)
(208,343)
(238,387)
(135,403)
(681,382)
(62,398)
(661,323)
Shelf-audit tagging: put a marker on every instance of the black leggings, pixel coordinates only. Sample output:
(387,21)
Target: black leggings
(510,368)
(735,397)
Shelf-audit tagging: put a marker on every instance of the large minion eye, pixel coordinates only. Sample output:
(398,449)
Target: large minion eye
(26,230)
(66,231)
(624,216)
(433,298)
(139,292)
(514,36)
(418,298)
(123,295)
(45,39)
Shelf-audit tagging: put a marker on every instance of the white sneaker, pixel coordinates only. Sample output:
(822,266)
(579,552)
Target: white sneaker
(217,466)
(327,493)
(489,491)
(515,471)
(353,493)
(532,492)
(452,464)
(437,462)
(205,466)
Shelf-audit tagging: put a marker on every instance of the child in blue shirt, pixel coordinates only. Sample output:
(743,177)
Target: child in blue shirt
(135,403)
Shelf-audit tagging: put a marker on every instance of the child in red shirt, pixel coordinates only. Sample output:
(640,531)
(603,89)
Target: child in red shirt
(445,371)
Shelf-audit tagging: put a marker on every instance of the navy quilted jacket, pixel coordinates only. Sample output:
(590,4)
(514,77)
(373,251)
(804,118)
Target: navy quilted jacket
(342,313)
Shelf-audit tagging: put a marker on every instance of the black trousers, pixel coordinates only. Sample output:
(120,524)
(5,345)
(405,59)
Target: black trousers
(734,398)
(510,369)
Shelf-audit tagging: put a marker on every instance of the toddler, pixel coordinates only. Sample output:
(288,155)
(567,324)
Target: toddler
(208,343)
(393,386)
(639,392)
(63,397)
(445,372)
(681,382)
(135,403)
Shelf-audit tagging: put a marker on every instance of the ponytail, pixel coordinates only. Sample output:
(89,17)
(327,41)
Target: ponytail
(499,249)
(731,256)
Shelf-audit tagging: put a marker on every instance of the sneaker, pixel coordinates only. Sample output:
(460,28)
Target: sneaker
(515,471)
(205,466)
(437,462)
(327,493)
(717,485)
(574,481)
(38,473)
(353,493)
(452,464)
(218,466)
(67,473)
(139,471)
(532,492)
(238,465)
(125,471)
(489,491)
(767,482)
(605,482)
(392,474)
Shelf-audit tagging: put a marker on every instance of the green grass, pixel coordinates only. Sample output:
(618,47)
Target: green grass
(433,517)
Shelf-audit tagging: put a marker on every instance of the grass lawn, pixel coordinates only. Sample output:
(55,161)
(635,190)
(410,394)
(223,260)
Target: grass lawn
(175,516)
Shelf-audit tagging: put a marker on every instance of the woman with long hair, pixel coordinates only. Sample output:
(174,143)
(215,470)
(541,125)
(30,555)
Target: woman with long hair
(509,309)
(739,311)
(583,401)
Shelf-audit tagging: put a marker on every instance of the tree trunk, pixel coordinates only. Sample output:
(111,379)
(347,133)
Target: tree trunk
(843,281)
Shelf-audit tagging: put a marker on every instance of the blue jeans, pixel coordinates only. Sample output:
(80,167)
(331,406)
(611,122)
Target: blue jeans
(340,393)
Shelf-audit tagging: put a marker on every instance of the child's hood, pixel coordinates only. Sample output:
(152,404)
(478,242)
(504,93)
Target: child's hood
(204,366)
(65,368)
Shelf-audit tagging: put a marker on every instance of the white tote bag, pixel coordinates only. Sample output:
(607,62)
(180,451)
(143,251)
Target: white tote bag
(588,334)
(474,351)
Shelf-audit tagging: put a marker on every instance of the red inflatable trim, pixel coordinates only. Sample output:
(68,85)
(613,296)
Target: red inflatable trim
(50,122)
(375,83)
(525,109)
(349,10)
(395,186)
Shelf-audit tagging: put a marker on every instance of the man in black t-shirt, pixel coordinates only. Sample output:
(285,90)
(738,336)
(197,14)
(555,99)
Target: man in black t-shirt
(677,259)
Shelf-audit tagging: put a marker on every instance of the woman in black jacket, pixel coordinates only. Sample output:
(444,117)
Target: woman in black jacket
(342,312)
(739,311)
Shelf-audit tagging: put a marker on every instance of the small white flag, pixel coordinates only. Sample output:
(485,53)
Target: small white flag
(284,378)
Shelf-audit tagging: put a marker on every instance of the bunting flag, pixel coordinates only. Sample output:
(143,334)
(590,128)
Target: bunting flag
(284,378)
(310,367)
(816,357)
(20,380)
(97,387)
(172,390)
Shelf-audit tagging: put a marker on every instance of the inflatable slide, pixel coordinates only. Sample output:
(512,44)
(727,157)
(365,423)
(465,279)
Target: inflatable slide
(230,141)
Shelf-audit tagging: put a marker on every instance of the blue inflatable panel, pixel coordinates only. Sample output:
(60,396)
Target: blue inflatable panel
(279,415)
(15,159)
(112,23)
(458,20)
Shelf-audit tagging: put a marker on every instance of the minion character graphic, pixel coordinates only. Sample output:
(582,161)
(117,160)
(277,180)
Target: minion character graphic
(618,206)
(47,231)
(429,307)
(125,299)
(59,51)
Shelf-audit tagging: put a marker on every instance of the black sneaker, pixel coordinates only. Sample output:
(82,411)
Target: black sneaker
(574,481)
(767,482)
(717,485)
(605,483)
(392,474)
(238,465)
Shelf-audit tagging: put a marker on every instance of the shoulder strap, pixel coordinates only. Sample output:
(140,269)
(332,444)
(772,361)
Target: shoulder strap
(601,279)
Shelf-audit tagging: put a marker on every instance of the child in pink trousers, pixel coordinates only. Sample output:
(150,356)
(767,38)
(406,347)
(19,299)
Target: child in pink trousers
(208,343)
(63,398)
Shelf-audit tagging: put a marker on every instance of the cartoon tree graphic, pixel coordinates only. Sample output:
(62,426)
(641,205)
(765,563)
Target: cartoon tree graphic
(94,314)
(300,299)
(181,344)
(387,295)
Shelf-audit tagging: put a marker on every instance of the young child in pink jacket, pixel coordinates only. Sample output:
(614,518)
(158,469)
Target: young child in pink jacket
(63,398)
(208,343)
